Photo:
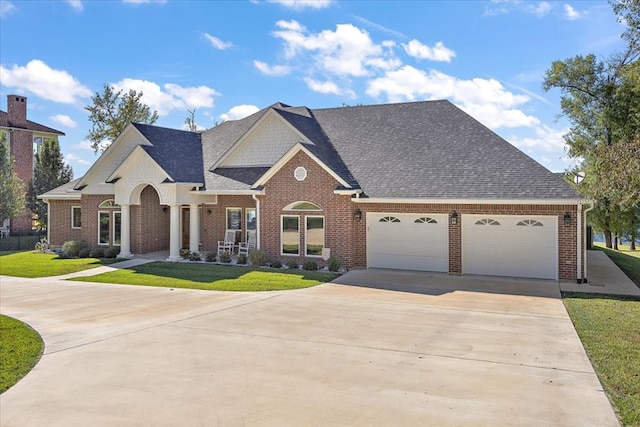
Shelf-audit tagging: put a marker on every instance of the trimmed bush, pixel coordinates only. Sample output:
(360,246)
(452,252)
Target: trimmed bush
(258,257)
(276,264)
(333,264)
(194,256)
(184,253)
(292,263)
(225,257)
(310,265)
(95,253)
(210,257)
(111,252)
(72,248)
(242,259)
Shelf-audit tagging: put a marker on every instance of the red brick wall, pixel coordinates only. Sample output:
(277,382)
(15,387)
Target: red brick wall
(214,224)
(21,144)
(283,189)
(150,224)
(60,230)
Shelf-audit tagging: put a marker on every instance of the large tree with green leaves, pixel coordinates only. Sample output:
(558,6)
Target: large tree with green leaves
(111,111)
(601,99)
(50,172)
(12,189)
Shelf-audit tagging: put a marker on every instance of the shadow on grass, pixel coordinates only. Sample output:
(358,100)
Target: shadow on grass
(581,295)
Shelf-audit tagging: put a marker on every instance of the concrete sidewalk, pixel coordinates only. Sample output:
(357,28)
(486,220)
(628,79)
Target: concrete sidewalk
(604,277)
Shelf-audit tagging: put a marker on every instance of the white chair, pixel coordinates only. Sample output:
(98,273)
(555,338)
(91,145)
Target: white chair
(227,245)
(4,232)
(251,243)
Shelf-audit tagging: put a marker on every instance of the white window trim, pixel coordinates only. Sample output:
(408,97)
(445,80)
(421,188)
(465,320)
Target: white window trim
(282,237)
(306,234)
(73,226)
(109,239)
(226,221)
(246,222)
(113,228)
(290,207)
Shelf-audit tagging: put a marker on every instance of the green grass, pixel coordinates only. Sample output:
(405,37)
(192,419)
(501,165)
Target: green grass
(32,264)
(626,259)
(609,328)
(20,350)
(212,277)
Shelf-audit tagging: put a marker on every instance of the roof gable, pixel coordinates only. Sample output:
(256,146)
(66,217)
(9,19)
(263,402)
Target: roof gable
(5,122)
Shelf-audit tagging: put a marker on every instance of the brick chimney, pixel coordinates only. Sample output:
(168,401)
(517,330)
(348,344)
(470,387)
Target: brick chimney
(17,110)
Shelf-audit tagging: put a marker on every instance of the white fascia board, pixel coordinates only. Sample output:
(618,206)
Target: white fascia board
(472,201)
(347,192)
(59,197)
(288,156)
(228,192)
(108,153)
(252,130)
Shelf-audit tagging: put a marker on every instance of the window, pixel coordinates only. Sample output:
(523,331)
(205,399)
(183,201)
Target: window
(302,206)
(425,220)
(103,227)
(487,221)
(300,173)
(290,238)
(314,235)
(117,230)
(530,223)
(389,219)
(251,220)
(109,203)
(76,217)
(234,222)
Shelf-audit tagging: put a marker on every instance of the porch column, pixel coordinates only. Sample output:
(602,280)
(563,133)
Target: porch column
(194,228)
(174,233)
(125,231)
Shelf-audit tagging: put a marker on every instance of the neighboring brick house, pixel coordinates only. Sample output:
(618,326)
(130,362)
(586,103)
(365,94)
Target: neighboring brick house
(25,139)
(418,186)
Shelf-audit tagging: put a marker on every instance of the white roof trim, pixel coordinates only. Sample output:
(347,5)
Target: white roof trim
(59,197)
(139,148)
(227,192)
(288,156)
(252,130)
(349,192)
(473,201)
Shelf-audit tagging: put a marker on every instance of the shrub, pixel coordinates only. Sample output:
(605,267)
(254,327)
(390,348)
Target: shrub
(276,264)
(225,257)
(242,259)
(210,257)
(184,253)
(258,257)
(72,248)
(310,265)
(194,256)
(95,253)
(84,253)
(111,252)
(333,263)
(292,263)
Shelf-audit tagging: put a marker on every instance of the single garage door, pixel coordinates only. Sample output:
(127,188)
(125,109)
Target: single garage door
(516,246)
(408,241)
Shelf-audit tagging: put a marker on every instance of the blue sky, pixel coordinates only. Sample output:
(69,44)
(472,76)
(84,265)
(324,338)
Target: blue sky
(227,59)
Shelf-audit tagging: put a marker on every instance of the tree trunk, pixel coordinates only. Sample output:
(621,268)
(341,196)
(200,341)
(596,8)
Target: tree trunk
(607,238)
(615,243)
(633,241)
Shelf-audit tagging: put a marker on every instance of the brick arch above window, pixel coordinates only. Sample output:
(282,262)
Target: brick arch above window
(302,206)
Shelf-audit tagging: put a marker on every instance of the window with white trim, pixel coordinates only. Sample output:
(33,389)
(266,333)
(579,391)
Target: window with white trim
(103,227)
(109,203)
(76,217)
(487,221)
(425,220)
(117,228)
(290,235)
(530,223)
(251,221)
(314,235)
(302,206)
(234,222)
(388,219)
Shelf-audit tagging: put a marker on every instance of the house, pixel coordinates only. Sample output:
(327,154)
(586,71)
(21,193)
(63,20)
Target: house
(25,139)
(418,186)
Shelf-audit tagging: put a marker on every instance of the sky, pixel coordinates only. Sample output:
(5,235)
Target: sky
(227,59)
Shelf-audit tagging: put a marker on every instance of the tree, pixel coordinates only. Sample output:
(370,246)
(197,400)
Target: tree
(12,190)
(50,172)
(190,121)
(112,111)
(601,99)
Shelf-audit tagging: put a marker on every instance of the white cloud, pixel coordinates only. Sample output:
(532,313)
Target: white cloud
(64,120)
(83,145)
(379,27)
(571,14)
(303,4)
(239,112)
(70,157)
(169,97)
(486,100)
(272,70)
(545,139)
(6,7)
(47,83)
(327,87)
(76,5)
(540,9)
(217,43)
(437,53)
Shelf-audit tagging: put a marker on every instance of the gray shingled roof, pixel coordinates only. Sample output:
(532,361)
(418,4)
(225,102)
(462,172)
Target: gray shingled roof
(32,126)
(178,152)
(65,190)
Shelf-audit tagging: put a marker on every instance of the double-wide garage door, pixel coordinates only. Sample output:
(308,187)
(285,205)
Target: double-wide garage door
(496,245)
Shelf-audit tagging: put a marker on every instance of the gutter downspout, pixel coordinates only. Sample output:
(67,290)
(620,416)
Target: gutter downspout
(48,221)
(585,246)
(255,197)
(579,246)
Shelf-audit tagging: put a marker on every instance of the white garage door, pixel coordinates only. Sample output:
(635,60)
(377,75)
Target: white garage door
(408,241)
(516,246)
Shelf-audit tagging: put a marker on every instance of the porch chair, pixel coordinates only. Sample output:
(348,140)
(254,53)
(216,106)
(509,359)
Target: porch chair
(251,243)
(228,243)
(4,232)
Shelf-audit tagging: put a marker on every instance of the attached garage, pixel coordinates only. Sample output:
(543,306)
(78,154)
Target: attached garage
(408,241)
(515,246)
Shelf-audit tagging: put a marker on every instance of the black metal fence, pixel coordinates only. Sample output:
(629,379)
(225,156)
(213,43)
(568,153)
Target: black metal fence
(21,242)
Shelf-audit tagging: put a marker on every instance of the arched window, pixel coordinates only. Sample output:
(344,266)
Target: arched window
(388,219)
(109,203)
(530,223)
(302,206)
(425,220)
(487,221)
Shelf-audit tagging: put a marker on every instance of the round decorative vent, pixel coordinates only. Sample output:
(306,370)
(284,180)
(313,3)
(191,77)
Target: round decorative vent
(300,173)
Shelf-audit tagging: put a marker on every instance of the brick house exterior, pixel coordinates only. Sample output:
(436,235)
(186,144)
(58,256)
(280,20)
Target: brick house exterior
(24,138)
(419,186)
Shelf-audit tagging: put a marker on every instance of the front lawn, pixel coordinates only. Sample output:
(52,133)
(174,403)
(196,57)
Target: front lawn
(626,259)
(609,328)
(20,349)
(32,264)
(212,277)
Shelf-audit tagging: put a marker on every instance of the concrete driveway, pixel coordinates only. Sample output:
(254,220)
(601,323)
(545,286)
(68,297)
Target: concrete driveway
(407,349)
